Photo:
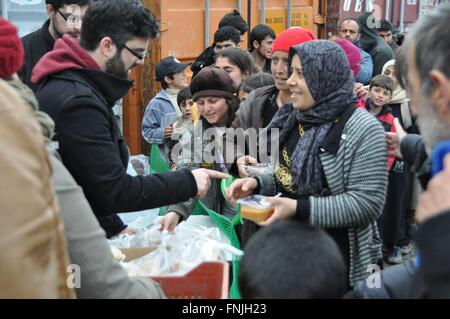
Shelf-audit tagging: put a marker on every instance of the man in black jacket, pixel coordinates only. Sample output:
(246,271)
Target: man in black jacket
(428,83)
(65,17)
(372,43)
(80,83)
(208,57)
(385,31)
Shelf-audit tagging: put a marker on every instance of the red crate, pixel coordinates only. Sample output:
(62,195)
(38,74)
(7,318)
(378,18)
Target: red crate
(209,280)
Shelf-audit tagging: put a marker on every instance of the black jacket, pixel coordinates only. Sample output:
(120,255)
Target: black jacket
(432,277)
(35,44)
(206,58)
(414,153)
(395,283)
(433,241)
(373,44)
(93,149)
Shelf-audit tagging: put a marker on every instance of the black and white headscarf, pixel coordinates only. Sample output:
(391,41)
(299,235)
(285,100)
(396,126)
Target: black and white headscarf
(330,81)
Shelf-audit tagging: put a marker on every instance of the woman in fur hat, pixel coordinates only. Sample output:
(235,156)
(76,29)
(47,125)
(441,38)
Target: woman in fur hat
(214,92)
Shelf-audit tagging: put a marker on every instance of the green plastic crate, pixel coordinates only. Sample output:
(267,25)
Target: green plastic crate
(227,226)
(157,163)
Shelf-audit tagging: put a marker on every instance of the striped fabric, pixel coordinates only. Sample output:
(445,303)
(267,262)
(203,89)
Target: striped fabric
(357,178)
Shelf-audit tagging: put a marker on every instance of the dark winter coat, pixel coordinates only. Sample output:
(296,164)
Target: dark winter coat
(79,97)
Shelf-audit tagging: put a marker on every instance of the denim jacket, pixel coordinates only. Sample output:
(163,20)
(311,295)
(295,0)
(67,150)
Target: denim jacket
(159,109)
(152,126)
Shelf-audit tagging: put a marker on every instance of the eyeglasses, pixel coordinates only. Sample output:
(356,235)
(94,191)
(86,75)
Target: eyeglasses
(140,56)
(72,20)
(62,15)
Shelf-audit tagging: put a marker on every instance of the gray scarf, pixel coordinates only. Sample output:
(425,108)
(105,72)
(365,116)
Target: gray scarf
(330,81)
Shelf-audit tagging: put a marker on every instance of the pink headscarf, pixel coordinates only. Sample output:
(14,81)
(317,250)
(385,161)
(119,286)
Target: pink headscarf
(353,55)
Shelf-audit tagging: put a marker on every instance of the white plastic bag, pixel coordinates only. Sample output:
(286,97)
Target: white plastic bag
(178,252)
(141,164)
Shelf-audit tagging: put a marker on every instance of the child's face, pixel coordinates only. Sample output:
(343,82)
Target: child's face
(179,81)
(379,96)
(186,107)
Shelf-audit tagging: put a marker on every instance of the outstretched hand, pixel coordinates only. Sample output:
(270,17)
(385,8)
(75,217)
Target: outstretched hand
(240,188)
(169,221)
(241,162)
(394,139)
(203,179)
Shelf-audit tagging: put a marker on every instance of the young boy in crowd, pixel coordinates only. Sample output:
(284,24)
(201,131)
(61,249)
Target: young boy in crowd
(392,220)
(184,123)
(401,109)
(163,109)
(380,94)
(185,101)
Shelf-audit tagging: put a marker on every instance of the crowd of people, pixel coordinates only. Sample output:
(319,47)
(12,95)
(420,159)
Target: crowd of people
(355,120)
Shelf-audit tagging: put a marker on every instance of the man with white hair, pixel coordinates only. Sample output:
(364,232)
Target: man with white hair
(427,81)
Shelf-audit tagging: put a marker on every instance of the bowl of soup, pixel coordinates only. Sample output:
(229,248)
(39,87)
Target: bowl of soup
(256,208)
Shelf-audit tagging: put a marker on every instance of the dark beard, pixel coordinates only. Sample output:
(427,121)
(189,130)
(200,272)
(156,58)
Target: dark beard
(116,66)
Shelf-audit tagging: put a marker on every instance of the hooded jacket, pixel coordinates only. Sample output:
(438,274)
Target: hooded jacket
(87,246)
(373,44)
(79,97)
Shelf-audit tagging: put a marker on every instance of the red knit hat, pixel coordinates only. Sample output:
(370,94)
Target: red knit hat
(291,37)
(11,49)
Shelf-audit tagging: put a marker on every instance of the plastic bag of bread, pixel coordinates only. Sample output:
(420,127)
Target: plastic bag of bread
(117,253)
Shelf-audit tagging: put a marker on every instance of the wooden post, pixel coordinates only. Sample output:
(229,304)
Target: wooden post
(131,114)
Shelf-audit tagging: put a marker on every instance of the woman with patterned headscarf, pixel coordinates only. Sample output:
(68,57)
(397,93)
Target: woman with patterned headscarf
(332,157)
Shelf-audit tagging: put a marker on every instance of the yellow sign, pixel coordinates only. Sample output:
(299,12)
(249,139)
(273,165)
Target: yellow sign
(276,19)
(302,17)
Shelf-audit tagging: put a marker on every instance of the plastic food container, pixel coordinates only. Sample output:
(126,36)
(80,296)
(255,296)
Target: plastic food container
(255,208)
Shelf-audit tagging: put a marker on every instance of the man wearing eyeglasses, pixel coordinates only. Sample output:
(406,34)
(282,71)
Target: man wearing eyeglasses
(65,17)
(79,84)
